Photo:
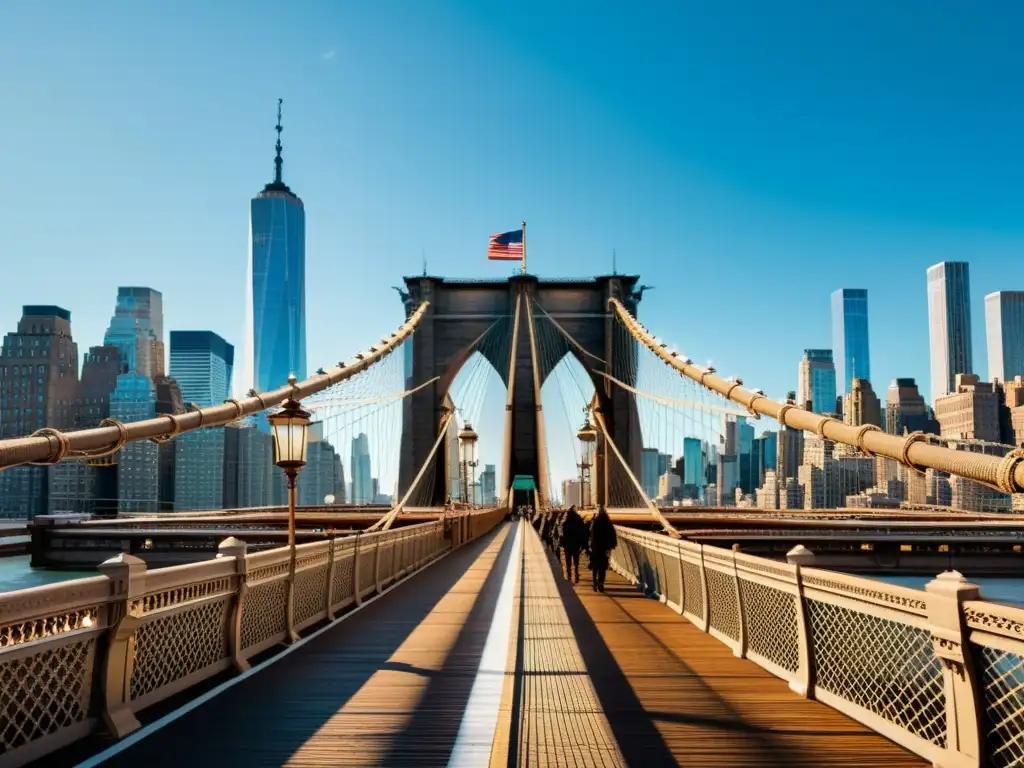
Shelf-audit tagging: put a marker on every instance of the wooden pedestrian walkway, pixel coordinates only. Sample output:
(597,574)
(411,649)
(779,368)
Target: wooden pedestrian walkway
(589,679)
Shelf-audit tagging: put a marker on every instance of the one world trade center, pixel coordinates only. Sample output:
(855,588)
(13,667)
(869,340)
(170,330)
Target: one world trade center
(276,322)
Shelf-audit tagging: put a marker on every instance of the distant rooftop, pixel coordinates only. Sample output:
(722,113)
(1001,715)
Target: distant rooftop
(46,310)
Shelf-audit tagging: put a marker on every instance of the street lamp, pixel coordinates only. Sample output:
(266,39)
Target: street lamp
(290,426)
(467,458)
(587,435)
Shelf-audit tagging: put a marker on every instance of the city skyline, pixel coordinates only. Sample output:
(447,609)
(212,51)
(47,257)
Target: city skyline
(391,167)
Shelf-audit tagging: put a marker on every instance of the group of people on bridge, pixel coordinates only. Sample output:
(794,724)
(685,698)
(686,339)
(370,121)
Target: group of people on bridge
(568,532)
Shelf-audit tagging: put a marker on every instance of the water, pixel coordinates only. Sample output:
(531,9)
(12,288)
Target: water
(998,589)
(17,573)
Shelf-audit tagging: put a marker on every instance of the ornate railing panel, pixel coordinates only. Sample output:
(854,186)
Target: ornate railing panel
(997,650)
(939,671)
(98,650)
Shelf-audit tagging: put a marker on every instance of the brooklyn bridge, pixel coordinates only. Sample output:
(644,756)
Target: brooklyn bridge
(435,631)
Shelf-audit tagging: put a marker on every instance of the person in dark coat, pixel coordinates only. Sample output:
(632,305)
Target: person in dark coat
(602,541)
(545,529)
(555,536)
(574,539)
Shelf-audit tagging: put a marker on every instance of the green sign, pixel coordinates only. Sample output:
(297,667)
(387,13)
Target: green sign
(523,483)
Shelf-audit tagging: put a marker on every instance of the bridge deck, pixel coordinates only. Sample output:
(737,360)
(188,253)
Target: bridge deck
(590,680)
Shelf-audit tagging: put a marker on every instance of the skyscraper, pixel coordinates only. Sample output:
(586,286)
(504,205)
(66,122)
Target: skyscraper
(817,381)
(276,332)
(1004,332)
(362,476)
(949,324)
(137,330)
(38,388)
(201,362)
(850,337)
(138,475)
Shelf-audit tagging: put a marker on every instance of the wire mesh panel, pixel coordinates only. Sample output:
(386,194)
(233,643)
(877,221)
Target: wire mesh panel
(170,648)
(693,593)
(264,613)
(769,617)
(45,693)
(310,593)
(1001,676)
(725,616)
(885,666)
(342,589)
(673,588)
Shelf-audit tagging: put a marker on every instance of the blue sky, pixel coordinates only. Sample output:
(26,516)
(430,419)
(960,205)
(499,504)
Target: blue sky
(746,158)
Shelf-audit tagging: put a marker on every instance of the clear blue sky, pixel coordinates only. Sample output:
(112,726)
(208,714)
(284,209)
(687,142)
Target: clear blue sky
(747,158)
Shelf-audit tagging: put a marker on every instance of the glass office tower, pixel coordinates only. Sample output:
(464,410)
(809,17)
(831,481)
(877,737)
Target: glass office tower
(949,324)
(850,336)
(276,331)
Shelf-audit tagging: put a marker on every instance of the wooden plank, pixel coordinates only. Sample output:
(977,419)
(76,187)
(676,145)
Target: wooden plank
(560,722)
(387,686)
(675,695)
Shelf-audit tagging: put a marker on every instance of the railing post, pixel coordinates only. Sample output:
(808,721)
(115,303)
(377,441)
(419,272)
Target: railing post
(332,562)
(705,593)
(376,564)
(800,557)
(129,573)
(946,594)
(356,561)
(232,547)
(741,646)
(682,583)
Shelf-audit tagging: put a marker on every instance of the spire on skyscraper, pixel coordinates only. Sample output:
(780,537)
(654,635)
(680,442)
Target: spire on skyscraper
(278,185)
(278,162)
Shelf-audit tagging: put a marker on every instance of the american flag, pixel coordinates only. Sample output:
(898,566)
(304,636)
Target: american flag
(508,246)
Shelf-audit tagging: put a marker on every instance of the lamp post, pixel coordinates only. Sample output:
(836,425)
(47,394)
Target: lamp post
(467,458)
(290,426)
(587,435)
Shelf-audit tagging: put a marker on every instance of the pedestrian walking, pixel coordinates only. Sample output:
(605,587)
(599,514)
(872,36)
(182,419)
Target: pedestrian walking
(602,541)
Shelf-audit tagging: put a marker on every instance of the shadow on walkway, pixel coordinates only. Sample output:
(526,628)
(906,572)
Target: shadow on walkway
(428,738)
(266,718)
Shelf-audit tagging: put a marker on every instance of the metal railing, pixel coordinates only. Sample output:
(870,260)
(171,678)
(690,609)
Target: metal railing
(939,671)
(93,652)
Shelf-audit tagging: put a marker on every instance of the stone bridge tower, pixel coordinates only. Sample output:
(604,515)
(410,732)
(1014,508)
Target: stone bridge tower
(462,310)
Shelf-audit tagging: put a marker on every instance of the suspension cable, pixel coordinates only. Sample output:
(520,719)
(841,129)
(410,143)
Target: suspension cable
(914,451)
(51,446)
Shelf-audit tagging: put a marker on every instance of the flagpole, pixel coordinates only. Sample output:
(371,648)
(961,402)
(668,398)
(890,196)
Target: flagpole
(524,247)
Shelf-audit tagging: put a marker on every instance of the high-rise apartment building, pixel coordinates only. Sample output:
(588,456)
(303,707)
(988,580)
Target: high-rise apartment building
(949,324)
(202,364)
(276,327)
(38,388)
(817,381)
(1004,334)
(850,347)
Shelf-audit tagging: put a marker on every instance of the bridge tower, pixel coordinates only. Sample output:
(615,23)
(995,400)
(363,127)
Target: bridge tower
(462,311)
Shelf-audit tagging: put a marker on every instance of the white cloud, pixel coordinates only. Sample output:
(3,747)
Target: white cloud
(329,54)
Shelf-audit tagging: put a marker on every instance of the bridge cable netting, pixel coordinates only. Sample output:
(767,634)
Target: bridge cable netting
(361,396)
(814,461)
